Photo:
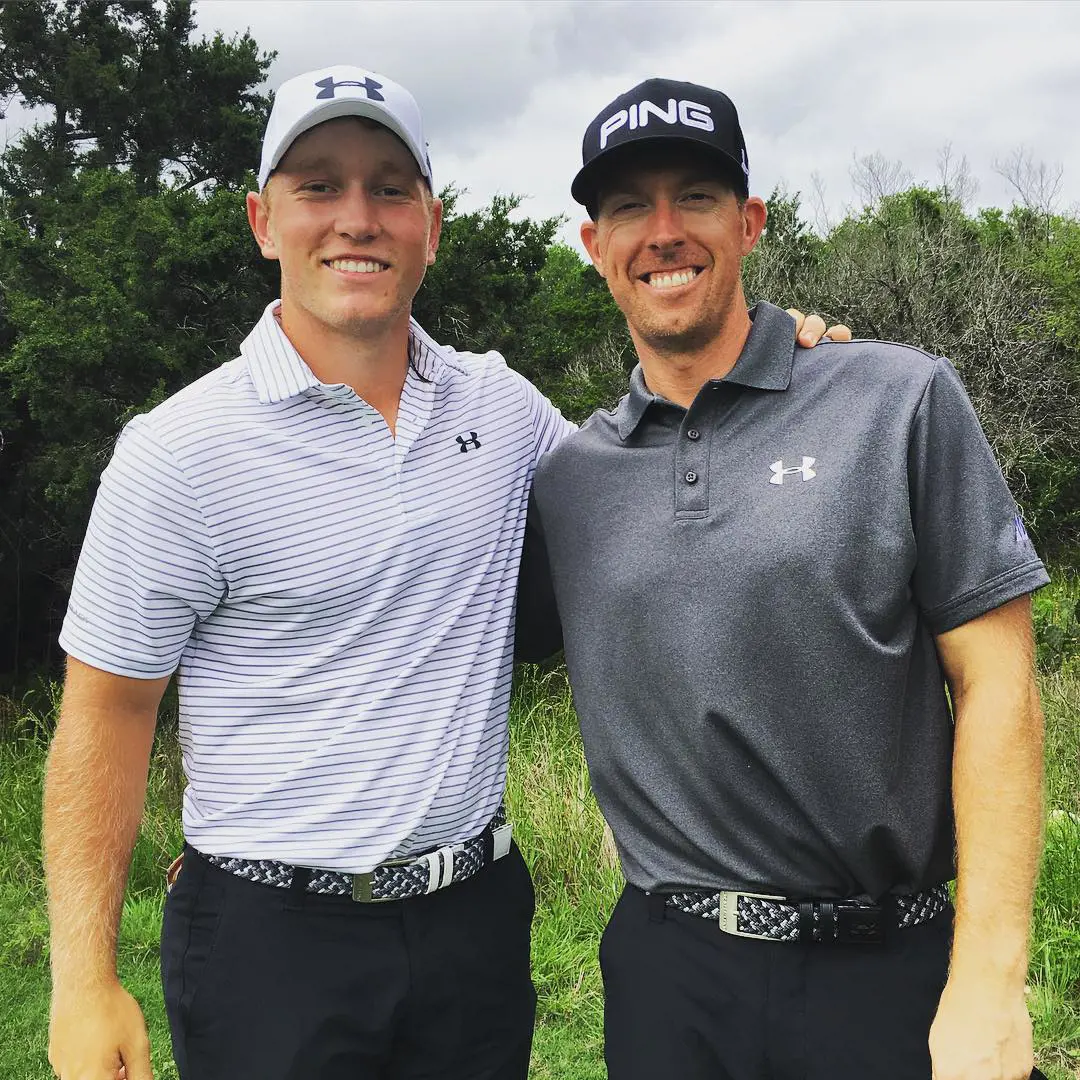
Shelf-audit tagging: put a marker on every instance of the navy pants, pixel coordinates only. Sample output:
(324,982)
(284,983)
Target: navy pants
(263,983)
(684,999)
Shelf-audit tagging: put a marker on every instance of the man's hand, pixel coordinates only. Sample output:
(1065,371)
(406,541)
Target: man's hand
(981,1034)
(95,783)
(810,329)
(982,1030)
(99,1035)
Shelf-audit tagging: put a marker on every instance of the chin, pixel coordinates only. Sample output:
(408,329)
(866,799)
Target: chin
(678,337)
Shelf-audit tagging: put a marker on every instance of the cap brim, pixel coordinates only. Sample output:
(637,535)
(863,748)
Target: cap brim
(332,110)
(585,184)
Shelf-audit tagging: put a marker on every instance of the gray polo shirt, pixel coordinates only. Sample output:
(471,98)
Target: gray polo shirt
(749,591)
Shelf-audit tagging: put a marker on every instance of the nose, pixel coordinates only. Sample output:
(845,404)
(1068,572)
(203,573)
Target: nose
(665,227)
(357,214)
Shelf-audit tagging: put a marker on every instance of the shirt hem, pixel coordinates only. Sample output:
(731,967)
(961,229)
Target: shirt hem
(112,667)
(987,596)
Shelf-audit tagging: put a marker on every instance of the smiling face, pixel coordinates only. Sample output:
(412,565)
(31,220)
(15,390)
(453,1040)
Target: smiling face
(669,239)
(353,225)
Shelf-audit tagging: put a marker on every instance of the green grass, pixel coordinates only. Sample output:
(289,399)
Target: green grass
(574,866)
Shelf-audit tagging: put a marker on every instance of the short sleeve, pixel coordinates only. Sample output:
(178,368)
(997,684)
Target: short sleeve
(147,570)
(549,425)
(972,551)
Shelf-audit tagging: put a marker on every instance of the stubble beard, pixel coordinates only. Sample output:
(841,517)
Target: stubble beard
(341,319)
(667,338)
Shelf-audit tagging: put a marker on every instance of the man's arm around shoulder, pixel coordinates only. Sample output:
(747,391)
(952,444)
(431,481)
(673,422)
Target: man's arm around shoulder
(95,785)
(982,1030)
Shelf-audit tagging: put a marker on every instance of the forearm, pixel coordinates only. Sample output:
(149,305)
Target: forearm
(95,785)
(997,796)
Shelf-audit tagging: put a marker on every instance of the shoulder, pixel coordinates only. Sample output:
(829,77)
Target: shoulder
(224,387)
(599,431)
(189,418)
(883,376)
(204,403)
(489,373)
(870,360)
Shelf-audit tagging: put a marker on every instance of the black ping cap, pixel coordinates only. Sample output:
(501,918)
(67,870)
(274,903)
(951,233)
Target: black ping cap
(663,109)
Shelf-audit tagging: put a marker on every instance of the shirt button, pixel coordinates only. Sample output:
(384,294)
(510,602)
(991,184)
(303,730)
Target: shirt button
(691,477)
(693,434)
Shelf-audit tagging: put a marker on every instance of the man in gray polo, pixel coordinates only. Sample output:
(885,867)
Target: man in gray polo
(767,566)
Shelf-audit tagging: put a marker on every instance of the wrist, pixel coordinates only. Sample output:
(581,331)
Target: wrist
(77,986)
(989,975)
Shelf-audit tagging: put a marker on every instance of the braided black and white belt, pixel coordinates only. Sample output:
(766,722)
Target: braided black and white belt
(395,879)
(776,918)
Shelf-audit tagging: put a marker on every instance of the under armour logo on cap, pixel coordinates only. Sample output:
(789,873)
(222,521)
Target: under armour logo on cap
(369,86)
(310,99)
(805,470)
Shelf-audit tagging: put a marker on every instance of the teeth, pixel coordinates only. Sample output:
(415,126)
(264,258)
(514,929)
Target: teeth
(354,267)
(669,281)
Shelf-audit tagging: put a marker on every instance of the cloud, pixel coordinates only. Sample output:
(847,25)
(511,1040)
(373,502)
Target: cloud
(508,88)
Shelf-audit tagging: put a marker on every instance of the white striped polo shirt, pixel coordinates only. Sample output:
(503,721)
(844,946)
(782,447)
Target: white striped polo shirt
(338,602)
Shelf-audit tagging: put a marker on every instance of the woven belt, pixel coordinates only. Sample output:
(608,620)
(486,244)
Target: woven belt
(395,879)
(776,918)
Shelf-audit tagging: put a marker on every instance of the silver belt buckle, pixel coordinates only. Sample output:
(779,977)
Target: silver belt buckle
(361,883)
(729,913)
(501,836)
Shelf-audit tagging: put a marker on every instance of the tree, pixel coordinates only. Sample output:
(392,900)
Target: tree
(127,88)
(485,277)
(124,298)
(125,269)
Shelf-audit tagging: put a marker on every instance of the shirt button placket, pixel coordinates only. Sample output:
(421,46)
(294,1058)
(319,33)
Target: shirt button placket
(691,468)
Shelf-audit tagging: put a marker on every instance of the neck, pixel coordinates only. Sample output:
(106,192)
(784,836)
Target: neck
(374,364)
(679,373)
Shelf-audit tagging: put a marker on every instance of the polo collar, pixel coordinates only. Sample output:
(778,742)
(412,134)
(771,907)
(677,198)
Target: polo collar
(279,372)
(764,364)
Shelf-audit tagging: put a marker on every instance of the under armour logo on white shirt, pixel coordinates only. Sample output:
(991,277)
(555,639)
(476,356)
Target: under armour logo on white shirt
(805,470)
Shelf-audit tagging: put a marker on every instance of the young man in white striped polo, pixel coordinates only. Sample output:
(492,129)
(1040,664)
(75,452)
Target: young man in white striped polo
(322,538)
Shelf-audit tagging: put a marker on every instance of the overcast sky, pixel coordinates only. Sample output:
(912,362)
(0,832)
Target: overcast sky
(507,89)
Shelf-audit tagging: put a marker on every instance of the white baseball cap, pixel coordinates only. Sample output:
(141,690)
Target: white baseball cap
(306,100)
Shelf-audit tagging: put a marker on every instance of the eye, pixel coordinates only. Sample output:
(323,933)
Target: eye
(392,191)
(698,198)
(317,187)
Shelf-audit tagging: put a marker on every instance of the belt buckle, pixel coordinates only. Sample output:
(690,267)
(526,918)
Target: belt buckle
(361,883)
(729,913)
(501,836)
(860,924)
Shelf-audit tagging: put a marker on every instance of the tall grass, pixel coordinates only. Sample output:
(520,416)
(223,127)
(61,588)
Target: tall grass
(574,866)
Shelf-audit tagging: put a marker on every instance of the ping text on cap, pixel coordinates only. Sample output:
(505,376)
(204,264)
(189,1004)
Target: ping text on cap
(688,113)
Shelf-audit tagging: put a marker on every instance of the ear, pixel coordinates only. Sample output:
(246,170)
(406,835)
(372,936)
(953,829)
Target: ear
(258,214)
(590,237)
(754,214)
(436,229)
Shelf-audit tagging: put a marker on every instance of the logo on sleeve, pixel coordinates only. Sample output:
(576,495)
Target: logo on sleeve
(470,443)
(805,470)
(1021,532)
